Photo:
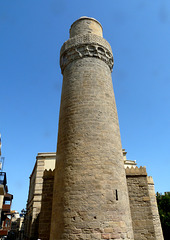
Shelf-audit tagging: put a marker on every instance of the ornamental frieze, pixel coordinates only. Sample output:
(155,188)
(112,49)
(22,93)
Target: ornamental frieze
(86,50)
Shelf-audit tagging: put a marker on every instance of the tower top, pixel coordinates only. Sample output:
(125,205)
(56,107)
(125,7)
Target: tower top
(85,25)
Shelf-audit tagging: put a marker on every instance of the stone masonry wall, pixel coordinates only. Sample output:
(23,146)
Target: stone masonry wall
(155,213)
(46,205)
(90,192)
(140,205)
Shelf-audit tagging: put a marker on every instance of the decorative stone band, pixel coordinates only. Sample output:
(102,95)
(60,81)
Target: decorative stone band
(86,50)
(135,171)
(88,45)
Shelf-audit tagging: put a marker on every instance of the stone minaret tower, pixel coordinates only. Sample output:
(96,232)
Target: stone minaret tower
(90,198)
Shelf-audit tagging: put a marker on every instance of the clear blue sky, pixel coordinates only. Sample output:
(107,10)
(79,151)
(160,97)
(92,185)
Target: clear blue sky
(31,35)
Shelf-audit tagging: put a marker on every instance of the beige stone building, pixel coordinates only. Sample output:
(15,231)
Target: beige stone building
(93,192)
(43,161)
(143,205)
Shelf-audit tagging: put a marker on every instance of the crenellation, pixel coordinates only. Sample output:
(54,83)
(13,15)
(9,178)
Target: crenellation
(48,174)
(135,171)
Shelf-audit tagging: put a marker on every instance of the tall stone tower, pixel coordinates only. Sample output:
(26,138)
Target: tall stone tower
(90,191)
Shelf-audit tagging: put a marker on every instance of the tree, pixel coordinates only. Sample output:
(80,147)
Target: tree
(164,212)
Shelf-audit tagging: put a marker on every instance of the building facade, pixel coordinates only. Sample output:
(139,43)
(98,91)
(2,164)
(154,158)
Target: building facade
(143,205)
(43,161)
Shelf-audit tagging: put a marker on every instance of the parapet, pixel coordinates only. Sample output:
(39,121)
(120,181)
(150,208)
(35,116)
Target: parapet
(135,171)
(48,174)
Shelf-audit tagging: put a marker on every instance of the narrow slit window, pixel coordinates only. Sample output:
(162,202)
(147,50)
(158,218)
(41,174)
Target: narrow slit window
(116,195)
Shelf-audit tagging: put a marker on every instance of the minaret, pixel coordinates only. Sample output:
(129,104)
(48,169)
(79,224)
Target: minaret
(90,199)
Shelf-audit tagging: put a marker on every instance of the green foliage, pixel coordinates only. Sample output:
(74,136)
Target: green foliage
(164,212)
